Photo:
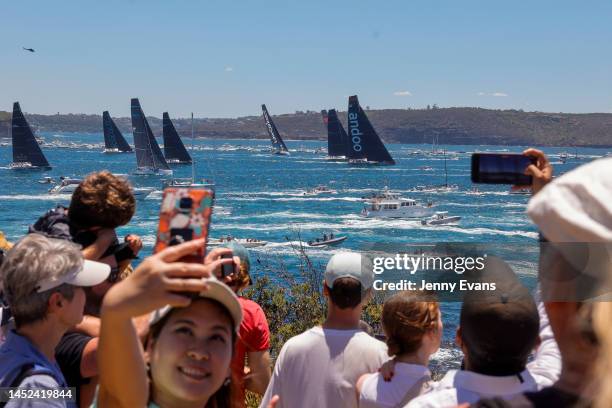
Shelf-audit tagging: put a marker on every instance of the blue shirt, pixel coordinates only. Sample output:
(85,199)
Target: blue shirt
(17,352)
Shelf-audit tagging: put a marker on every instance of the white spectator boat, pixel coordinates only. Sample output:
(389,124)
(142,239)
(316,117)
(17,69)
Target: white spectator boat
(441,217)
(320,190)
(245,242)
(396,208)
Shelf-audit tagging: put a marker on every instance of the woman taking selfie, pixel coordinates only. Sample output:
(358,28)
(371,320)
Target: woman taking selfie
(185,361)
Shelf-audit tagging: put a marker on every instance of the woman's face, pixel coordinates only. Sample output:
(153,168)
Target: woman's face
(191,357)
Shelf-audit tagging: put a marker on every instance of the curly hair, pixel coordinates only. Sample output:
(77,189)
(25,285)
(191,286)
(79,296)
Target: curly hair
(406,318)
(102,200)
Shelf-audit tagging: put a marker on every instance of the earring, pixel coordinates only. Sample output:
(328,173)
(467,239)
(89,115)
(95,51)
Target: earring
(227,382)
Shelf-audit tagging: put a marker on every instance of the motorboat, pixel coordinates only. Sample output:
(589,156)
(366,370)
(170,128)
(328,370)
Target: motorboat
(320,189)
(46,180)
(440,217)
(396,208)
(521,191)
(66,186)
(142,192)
(187,182)
(475,191)
(436,189)
(327,240)
(245,242)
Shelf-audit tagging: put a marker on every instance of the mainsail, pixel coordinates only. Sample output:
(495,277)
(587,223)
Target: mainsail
(26,151)
(174,149)
(337,139)
(364,144)
(277,142)
(148,153)
(113,139)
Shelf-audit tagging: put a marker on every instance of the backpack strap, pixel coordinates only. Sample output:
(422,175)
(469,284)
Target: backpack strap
(417,389)
(28,370)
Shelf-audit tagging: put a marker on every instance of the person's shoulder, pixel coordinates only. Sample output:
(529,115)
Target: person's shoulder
(250,307)
(303,341)
(39,381)
(365,340)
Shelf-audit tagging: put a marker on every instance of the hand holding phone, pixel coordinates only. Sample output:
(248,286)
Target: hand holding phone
(502,168)
(541,170)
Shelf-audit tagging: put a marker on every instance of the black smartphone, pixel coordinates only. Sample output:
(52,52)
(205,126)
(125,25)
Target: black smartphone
(228,269)
(501,168)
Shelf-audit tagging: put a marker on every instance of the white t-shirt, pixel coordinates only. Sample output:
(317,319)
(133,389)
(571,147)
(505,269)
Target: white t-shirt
(458,387)
(378,393)
(319,368)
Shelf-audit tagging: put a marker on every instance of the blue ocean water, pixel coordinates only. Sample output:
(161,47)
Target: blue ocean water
(260,195)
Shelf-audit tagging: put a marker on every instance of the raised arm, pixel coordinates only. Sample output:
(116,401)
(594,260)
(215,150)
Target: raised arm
(157,282)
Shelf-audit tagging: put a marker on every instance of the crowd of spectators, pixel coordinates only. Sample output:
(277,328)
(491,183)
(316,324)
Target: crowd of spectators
(74,313)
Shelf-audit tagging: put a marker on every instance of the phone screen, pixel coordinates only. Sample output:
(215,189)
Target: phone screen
(501,168)
(184,215)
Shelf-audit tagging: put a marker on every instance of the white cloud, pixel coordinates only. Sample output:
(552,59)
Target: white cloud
(402,93)
(229,69)
(481,93)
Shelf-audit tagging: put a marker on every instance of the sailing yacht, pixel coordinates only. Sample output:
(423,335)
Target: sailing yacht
(149,158)
(26,151)
(114,142)
(174,149)
(278,146)
(337,139)
(188,182)
(364,144)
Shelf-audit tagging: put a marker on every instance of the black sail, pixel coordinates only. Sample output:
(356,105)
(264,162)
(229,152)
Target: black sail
(174,149)
(113,139)
(336,135)
(364,142)
(148,153)
(25,146)
(275,137)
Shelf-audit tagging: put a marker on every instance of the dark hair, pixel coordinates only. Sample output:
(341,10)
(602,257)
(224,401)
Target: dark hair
(406,318)
(102,200)
(499,335)
(223,397)
(346,293)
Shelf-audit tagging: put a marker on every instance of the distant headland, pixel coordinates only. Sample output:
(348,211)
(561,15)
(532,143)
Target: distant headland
(444,125)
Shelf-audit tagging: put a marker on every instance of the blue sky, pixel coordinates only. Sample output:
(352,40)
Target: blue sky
(225,58)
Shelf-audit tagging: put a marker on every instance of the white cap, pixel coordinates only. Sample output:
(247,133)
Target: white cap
(349,265)
(218,291)
(91,274)
(576,207)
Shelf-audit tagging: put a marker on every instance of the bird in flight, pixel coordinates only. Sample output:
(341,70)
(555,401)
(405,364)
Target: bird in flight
(28,49)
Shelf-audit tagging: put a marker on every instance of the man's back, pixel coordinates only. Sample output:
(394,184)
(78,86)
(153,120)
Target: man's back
(319,368)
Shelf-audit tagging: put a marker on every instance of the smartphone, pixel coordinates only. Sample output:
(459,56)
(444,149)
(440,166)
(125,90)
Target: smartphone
(501,168)
(228,269)
(184,215)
